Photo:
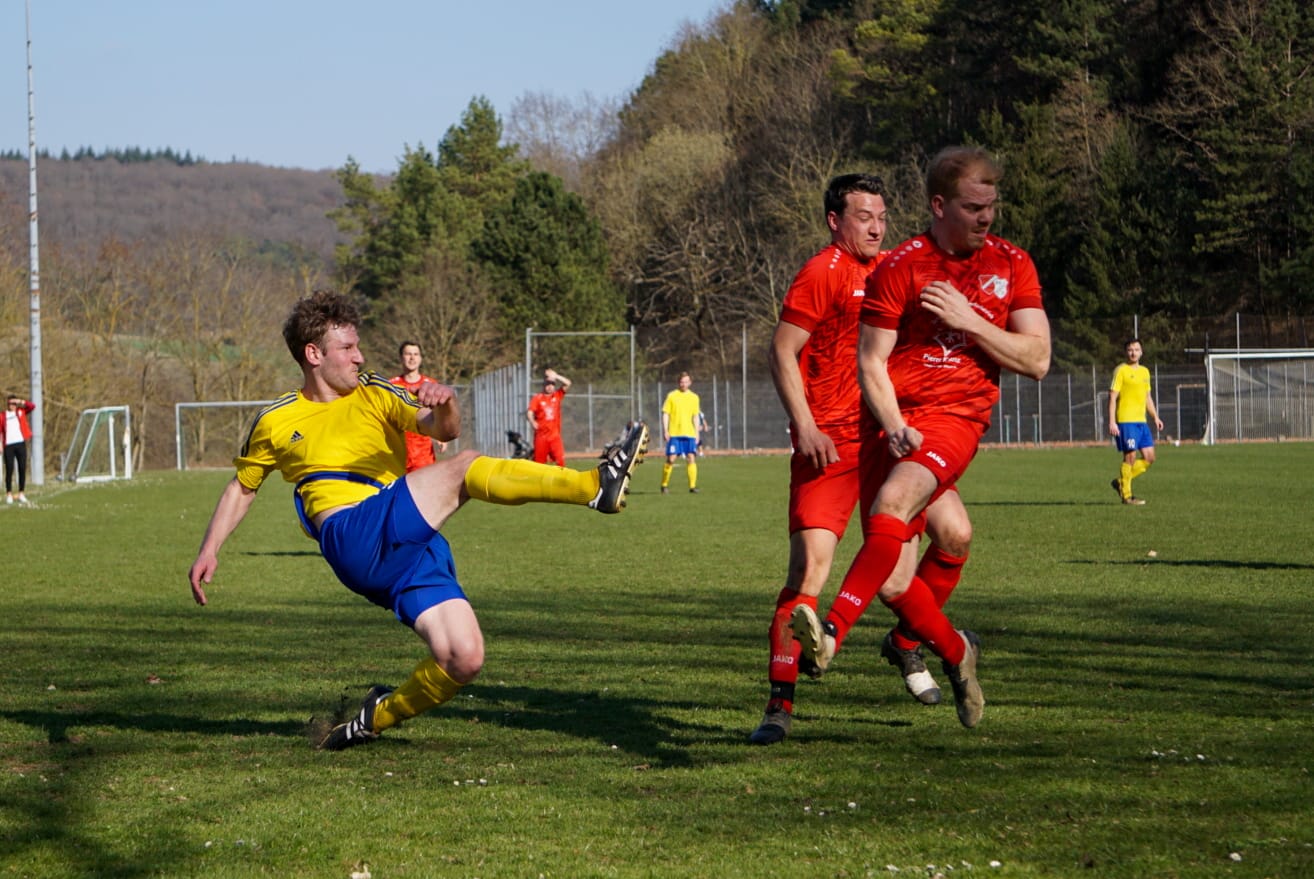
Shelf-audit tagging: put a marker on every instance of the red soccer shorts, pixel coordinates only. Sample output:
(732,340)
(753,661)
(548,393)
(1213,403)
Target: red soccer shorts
(824,498)
(949,443)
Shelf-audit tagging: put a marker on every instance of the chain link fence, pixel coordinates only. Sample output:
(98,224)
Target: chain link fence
(1252,402)
(744,414)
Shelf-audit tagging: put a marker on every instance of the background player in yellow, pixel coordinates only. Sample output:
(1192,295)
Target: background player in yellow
(340,438)
(681,421)
(1129,401)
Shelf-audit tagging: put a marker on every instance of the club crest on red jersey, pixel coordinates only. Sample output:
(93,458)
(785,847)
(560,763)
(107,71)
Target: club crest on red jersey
(993,285)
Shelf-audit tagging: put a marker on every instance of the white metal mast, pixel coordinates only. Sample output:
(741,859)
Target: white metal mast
(38,456)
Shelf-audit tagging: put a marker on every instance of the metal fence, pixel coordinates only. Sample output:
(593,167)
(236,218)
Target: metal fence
(1272,403)
(1252,401)
(744,414)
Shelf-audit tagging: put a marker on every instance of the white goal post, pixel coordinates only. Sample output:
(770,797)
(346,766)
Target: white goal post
(1260,395)
(208,435)
(98,451)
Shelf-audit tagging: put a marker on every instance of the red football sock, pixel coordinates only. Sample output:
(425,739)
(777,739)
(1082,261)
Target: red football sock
(783,665)
(871,567)
(919,614)
(941,572)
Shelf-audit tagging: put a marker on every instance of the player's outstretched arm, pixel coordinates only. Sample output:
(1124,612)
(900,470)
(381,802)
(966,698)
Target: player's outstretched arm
(441,417)
(233,504)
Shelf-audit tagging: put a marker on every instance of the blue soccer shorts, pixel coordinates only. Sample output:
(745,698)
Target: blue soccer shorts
(681,445)
(1133,435)
(385,551)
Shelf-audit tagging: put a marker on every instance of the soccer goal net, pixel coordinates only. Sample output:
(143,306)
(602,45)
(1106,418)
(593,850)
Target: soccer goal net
(101,448)
(1260,395)
(208,435)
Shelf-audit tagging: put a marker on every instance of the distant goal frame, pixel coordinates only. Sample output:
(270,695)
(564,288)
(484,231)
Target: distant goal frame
(179,442)
(1296,413)
(93,424)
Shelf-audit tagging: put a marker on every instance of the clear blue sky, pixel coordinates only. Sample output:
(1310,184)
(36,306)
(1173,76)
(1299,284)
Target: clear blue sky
(307,83)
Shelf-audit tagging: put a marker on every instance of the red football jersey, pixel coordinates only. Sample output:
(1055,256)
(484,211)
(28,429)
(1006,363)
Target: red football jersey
(419,448)
(546,409)
(932,366)
(826,299)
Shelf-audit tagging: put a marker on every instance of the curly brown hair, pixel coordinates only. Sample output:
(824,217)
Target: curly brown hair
(315,315)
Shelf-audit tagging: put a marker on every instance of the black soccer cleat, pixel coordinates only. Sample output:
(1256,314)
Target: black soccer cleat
(359,730)
(773,728)
(912,666)
(614,470)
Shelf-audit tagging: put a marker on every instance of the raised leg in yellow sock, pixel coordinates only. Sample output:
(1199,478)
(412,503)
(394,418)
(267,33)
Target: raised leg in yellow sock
(514,481)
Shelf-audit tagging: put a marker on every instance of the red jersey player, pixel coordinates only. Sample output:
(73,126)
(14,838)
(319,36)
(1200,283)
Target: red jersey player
(544,414)
(419,448)
(942,314)
(813,361)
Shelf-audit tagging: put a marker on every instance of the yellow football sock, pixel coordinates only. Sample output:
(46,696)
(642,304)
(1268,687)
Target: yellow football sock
(1139,467)
(517,481)
(1124,480)
(666,474)
(427,686)
(693,475)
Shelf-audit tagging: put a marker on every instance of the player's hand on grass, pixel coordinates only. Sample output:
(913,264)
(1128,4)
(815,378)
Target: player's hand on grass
(202,572)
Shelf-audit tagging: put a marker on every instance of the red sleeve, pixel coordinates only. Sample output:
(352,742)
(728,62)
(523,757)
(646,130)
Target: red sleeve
(1026,283)
(886,297)
(807,297)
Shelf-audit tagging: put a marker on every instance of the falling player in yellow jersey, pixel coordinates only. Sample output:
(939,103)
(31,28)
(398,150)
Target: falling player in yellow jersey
(1129,401)
(341,440)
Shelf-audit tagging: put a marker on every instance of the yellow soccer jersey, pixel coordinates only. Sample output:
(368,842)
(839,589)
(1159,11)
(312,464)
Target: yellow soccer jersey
(362,434)
(1132,384)
(681,409)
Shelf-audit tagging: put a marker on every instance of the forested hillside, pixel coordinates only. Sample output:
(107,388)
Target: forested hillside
(1159,168)
(87,201)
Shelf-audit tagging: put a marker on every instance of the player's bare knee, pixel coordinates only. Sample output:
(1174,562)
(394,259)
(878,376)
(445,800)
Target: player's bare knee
(462,661)
(954,539)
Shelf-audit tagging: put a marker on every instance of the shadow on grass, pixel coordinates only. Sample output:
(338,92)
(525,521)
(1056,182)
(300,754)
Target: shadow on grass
(642,727)
(1037,503)
(56,724)
(50,811)
(1226,564)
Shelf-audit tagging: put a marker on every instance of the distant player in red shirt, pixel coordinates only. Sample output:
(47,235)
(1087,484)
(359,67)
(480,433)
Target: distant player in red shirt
(544,414)
(942,314)
(419,448)
(813,360)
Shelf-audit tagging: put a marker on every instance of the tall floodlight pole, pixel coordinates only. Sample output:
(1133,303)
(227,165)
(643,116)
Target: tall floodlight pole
(38,420)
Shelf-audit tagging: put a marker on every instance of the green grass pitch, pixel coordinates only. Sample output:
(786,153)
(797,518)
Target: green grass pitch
(1149,674)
